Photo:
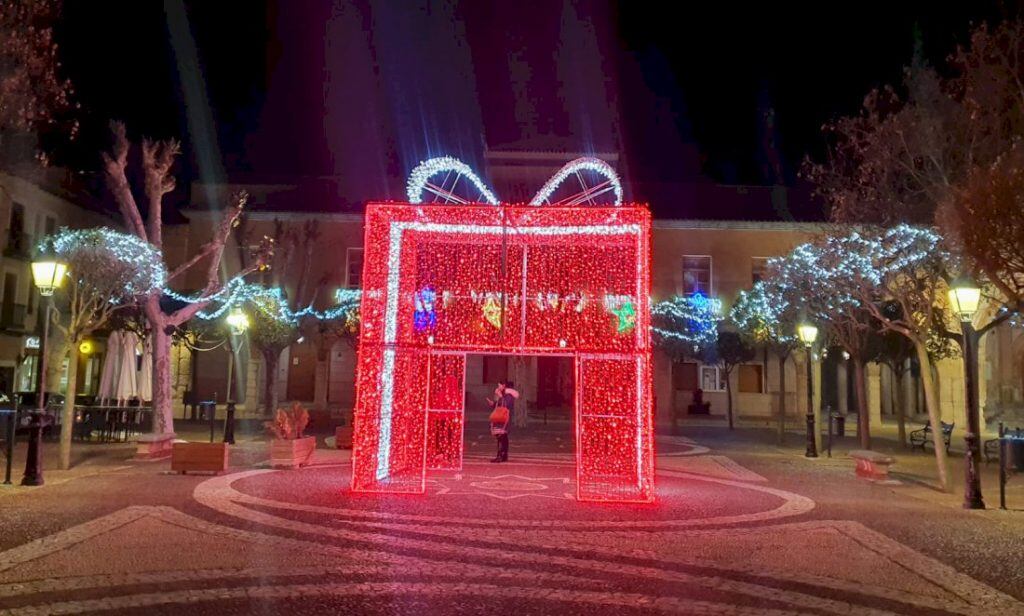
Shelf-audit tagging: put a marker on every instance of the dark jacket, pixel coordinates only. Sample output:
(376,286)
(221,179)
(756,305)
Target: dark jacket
(507,400)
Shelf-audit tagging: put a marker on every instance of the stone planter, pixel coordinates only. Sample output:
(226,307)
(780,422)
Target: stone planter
(292,453)
(199,457)
(154,446)
(343,437)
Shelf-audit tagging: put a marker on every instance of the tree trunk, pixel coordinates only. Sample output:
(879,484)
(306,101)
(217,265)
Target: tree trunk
(782,399)
(901,411)
(56,350)
(931,402)
(67,418)
(728,396)
(163,405)
(271,359)
(863,423)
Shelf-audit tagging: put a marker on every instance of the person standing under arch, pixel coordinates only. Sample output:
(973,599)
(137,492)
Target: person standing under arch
(505,397)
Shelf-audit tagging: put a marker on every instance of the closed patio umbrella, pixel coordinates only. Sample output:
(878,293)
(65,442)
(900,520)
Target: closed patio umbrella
(127,385)
(111,363)
(146,370)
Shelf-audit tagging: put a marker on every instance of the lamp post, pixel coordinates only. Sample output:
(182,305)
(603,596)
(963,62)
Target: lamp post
(48,273)
(808,333)
(238,322)
(964,297)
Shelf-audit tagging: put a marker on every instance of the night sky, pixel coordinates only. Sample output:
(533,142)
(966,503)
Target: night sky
(725,93)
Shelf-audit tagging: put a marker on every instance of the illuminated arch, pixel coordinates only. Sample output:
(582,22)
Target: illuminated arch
(587,194)
(453,170)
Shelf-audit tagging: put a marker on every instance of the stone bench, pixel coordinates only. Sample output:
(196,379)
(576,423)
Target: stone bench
(872,464)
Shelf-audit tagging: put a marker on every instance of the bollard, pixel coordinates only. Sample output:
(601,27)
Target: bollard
(209,409)
(229,424)
(12,420)
(34,460)
(1002,468)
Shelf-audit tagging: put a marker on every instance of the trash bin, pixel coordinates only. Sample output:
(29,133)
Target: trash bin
(840,421)
(1013,452)
(208,408)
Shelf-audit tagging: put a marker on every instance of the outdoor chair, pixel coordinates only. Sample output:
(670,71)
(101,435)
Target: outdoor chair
(922,437)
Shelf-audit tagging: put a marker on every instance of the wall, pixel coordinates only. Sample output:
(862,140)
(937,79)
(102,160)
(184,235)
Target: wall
(40,202)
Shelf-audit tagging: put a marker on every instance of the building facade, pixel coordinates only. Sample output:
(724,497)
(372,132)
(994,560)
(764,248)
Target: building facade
(34,204)
(715,258)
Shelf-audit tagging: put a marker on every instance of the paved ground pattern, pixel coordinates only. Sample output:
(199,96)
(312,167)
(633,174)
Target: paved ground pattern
(730,533)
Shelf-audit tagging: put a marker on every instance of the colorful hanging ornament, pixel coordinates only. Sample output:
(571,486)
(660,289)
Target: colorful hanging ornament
(424,317)
(626,315)
(492,311)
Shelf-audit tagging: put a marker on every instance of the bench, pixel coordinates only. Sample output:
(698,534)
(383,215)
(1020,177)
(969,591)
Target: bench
(921,438)
(704,408)
(872,464)
(991,446)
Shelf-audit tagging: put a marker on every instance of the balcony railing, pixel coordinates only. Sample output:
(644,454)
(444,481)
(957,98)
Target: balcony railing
(19,245)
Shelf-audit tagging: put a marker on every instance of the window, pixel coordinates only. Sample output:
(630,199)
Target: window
(31,296)
(758,269)
(684,376)
(696,275)
(354,269)
(51,225)
(751,378)
(710,379)
(17,243)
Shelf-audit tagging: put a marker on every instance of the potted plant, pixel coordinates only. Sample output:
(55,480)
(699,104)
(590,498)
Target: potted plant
(288,447)
(343,432)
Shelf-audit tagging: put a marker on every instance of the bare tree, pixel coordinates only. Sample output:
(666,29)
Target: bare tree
(33,96)
(983,221)
(731,350)
(107,270)
(269,332)
(157,159)
(766,318)
(910,270)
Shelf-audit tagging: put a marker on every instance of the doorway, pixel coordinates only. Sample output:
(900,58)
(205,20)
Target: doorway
(301,372)
(543,416)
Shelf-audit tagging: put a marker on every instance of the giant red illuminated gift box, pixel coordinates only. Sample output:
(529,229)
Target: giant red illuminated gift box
(441,281)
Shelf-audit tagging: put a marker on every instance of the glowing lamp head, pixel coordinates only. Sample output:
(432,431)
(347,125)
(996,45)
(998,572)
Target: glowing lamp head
(238,321)
(86,347)
(48,273)
(807,333)
(964,297)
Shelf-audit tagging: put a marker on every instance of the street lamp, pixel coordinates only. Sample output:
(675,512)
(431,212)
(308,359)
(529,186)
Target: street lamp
(48,274)
(808,333)
(238,322)
(964,297)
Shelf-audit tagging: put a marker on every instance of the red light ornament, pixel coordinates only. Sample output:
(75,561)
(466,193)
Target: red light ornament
(518,280)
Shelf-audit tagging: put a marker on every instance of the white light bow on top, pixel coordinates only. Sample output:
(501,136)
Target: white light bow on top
(451,170)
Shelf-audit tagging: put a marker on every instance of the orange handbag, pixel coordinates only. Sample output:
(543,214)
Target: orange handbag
(499,415)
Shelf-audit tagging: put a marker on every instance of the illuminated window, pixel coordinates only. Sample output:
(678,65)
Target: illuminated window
(354,269)
(710,379)
(751,377)
(758,269)
(696,275)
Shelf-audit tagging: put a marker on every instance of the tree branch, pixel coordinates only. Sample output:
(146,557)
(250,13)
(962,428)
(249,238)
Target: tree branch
(157,158)
(115,164)
(215,247)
